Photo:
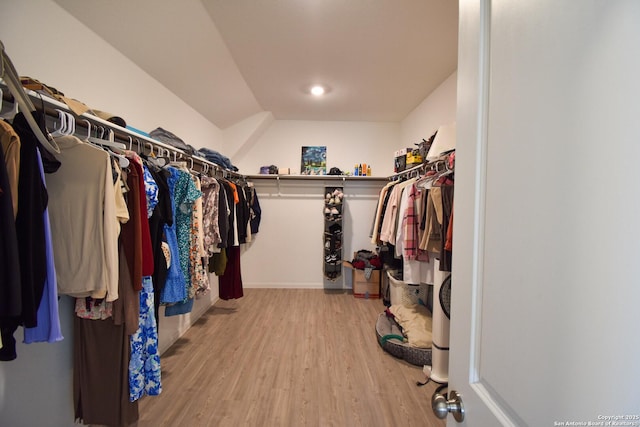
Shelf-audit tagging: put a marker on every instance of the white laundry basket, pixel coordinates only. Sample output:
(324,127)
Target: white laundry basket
(402,293)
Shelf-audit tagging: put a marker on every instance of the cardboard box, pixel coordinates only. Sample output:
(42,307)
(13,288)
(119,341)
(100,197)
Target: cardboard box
(363,288)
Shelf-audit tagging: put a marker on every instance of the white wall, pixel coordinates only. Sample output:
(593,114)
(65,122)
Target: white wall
(439,108)
(46,43)
(347,143)
(288,250)
(36,389)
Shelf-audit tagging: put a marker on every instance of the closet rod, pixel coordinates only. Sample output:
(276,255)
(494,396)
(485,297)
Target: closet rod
(423,168)
(128,137)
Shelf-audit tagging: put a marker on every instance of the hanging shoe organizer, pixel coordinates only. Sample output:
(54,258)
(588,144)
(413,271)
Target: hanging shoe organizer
(333,204)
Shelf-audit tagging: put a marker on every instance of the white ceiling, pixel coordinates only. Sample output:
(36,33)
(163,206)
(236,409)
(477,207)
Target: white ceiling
(230,59)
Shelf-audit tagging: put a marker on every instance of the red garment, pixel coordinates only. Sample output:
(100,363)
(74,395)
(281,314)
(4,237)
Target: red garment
(147,249)
(230,283)
(448,244)
(131,233)
(236,198)
(136,231)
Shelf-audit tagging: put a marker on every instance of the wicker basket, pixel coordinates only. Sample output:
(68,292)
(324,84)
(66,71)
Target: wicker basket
(402,293)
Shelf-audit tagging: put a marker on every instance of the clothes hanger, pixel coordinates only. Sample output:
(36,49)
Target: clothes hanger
(159,161)
(179,163)
(441,173)
(9,74)
(106,142)
(66,124)
(57,131)
(105,145)
(427,180)
(11,111)
(122,160)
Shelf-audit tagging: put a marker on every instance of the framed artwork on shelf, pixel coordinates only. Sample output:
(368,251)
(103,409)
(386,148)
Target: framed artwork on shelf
(313,160)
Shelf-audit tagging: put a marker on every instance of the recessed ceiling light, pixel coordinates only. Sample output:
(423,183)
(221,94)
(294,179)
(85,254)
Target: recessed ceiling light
(317,90)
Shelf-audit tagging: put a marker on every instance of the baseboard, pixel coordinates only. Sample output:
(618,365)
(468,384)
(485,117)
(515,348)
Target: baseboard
(168,340)
(281,285)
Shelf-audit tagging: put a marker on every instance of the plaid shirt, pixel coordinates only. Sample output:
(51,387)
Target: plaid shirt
(410,224)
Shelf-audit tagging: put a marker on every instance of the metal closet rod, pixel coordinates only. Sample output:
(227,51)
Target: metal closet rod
(125,136)
(421,168)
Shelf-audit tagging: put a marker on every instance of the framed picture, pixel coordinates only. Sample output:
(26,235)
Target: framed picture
(313,161)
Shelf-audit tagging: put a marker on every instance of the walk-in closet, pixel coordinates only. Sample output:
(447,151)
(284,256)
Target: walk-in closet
(319,213)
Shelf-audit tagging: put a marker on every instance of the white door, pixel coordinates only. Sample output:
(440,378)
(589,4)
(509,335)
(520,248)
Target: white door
(545,318)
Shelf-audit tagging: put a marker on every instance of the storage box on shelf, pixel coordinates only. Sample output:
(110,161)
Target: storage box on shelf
(400,159)
(413,158)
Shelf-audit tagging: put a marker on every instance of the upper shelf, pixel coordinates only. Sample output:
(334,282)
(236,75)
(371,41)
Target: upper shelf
(318,177)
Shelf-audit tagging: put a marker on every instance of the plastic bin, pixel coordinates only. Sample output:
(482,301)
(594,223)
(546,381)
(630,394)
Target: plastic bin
(402,293)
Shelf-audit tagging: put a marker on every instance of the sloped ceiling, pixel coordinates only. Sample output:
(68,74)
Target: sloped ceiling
(230,59)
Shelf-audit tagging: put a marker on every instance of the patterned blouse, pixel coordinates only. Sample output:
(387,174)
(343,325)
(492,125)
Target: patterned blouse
(210,190)
(151,188)
(185,194)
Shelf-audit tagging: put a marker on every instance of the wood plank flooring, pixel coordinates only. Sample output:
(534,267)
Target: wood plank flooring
(288,357)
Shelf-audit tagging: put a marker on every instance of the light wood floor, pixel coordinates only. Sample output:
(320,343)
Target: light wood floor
(288,357)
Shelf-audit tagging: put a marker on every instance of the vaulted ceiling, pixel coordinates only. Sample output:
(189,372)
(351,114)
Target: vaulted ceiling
(230,59)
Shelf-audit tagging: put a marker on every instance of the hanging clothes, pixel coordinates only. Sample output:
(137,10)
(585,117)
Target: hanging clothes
(161,217)
(30,233)
(383,197)
(10,142)
(231,198)
(136,232)
(256,211)
(151,190)
(432,238)
(144,364)
(48,324)
(230,283)
(243,214)
(185,194)
(211,228)
(200,278)
(10,284)
(224,215)
(390,221)
(131,233)
(412,224)
(101,395)
(447,210)
(147,252)
(83,221)
(174,289)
